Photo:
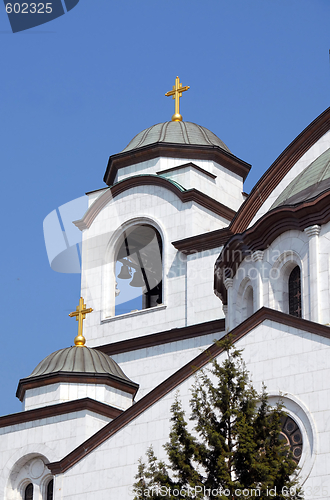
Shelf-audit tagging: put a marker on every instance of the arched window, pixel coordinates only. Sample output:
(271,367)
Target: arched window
(249,301)
(295,292)
(50,487)
(247,309)
(138,269)
(28,494)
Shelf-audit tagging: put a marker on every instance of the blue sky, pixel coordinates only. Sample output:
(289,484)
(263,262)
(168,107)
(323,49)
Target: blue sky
(76,90)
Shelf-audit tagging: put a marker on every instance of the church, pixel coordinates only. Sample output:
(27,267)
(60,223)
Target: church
(176,255)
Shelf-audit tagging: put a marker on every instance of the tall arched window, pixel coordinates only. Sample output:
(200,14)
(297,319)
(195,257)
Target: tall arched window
(50,487)
(295,292)
(28,494)
(247,303)
(138,269)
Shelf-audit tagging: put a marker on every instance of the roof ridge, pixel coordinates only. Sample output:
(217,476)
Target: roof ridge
(185,132)
(163,131)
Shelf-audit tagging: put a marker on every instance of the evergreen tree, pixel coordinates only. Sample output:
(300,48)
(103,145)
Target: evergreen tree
(236,450)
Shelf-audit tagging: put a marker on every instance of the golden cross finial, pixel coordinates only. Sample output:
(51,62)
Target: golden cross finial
(80,314)
(177,93)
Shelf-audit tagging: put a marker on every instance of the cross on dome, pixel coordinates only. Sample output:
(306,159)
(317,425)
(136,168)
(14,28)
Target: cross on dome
(80,314)
(177,93)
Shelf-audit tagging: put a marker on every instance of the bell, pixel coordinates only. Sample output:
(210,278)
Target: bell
(124,273)
(137,281)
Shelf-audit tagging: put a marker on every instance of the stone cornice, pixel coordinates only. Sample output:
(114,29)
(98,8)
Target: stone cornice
(166,150)
(187,165)
(153,180)
(60,409)
(202,242)
(75,378)
(180,376)
(154,339)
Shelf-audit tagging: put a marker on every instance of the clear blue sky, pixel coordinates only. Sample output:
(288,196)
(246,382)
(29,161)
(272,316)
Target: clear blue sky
(76,90)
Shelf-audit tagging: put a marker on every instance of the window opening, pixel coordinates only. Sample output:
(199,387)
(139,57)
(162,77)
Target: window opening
(50,488)
(291,434)
(28,494)
(295,292)
(138,269)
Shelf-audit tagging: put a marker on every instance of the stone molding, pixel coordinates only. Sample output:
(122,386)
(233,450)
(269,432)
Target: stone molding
(202,242)
(312,230)
(186,165)
(228,283)
(75,378)
(186,151)
(153,180)
(60,409)
(258,256)
(154,339)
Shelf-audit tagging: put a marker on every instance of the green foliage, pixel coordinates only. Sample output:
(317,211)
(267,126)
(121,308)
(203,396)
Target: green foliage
(235,446)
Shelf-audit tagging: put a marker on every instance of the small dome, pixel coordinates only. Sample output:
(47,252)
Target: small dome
(78,360)
(175,133)
(77,365)
(311,182)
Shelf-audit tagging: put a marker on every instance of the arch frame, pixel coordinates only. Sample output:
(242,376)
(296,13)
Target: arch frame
(279,281)
(243,306)
(18,478)
(108,281)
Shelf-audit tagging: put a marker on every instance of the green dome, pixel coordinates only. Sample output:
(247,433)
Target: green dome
(175,133)
(311,182)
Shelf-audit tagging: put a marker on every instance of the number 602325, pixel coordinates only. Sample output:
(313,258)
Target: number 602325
(29,8)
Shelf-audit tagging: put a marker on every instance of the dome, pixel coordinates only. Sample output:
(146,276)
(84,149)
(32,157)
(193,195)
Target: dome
(175,133)
(78,359)
(311,182)
(77,364)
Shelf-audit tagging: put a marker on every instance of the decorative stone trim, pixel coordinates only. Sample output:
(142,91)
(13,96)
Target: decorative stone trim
(158,150)
(60,409)
(173,335)
(75,378)
(312,230)
(186,165)
(205,241)
(258,256)
(153,180)
(228,283)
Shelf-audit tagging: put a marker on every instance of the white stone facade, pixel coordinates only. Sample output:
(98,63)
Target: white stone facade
(93,452)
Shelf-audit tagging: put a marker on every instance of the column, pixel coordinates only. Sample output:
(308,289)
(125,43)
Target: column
(313,264)
(230,317)
(259,292)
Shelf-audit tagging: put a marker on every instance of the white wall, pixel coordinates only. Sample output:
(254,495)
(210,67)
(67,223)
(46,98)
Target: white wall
(289,361)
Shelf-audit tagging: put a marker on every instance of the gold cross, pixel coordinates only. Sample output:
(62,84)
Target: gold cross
(80,314)
(177,93)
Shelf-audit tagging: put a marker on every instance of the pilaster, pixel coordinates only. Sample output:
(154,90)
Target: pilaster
(313,264)
(230,313)
(257,257)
